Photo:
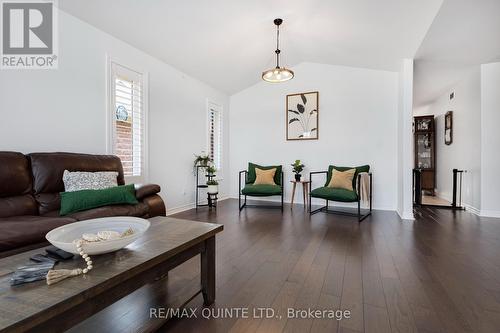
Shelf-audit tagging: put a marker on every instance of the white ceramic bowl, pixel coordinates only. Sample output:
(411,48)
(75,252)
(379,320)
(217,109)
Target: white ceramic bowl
(64,236)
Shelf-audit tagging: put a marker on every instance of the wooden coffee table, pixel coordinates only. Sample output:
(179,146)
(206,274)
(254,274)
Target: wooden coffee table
(167,243)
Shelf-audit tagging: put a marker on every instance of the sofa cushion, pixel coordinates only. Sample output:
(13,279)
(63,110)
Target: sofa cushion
(77,201)
(263,190)
(83,180)
(15,185)
(138,210)
(48,169)
(15,175)
(252,174)
(19,205)
(334,194)
(20,231)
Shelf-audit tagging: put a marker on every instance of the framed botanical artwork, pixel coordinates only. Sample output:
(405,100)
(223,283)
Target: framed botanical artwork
(302,116)
(448,128)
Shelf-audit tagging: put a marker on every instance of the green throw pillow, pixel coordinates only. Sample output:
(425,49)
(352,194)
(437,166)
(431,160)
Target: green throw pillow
(359,169)
(252,175)
(77,201)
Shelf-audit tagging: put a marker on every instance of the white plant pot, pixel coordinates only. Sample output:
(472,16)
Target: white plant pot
(213,188)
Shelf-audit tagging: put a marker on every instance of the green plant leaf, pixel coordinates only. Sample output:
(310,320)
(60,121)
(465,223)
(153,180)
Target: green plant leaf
(293,111)
(301,108)
(292,120)
(304,99)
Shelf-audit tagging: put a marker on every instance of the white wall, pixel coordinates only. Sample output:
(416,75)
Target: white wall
(357,125)
(404,139)
(464,153)
(65,109)
(490,140)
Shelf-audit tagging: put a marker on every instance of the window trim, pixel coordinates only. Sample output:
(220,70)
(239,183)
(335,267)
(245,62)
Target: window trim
(221,127)
(110,123)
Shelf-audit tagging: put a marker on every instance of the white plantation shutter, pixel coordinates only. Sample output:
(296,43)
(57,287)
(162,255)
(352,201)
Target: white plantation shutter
(215,134)
(128,114)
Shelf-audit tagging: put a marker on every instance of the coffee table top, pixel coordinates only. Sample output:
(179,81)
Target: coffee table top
(165,238)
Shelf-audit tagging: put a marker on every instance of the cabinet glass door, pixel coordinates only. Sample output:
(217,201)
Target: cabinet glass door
(424,151)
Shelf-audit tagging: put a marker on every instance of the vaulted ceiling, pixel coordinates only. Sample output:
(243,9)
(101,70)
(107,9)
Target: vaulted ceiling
(464,35)
(228,43)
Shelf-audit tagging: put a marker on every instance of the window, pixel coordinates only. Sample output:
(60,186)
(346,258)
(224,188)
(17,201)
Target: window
(128,120)
(215,134)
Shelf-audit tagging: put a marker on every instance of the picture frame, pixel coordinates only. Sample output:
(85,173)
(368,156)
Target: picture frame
(448,128)
(302,116)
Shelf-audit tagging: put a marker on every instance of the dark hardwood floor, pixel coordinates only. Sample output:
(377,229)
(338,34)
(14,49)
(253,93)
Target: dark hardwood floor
(440,273)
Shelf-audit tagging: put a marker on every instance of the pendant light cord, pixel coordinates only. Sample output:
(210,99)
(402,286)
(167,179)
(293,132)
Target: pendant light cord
(277,46)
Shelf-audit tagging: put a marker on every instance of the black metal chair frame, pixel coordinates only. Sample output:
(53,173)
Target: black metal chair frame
(257,206)
(326,209)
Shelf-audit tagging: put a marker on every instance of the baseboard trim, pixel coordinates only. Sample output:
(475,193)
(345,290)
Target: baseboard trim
(183,208)
(490,213)
(472,210)
(408,216)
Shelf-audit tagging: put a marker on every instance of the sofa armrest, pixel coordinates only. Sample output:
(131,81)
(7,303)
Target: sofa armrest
(156,206)
(145,190)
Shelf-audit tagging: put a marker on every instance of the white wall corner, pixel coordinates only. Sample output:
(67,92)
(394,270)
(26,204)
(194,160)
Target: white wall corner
(472,209)
(405,141)
(406,216)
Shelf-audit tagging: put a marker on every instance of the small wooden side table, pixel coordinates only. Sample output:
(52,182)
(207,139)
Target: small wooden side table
(305,189)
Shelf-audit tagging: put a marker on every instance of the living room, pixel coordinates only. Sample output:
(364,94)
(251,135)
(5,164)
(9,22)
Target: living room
(227,166)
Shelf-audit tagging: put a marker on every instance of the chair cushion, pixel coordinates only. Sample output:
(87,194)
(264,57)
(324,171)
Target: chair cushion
(261,190)
(252,175)
(342,179)
(20,231)
(359,169)
(334,194)
(264,177)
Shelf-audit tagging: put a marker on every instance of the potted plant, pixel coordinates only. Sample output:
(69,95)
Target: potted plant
(201,160)
(211,170)
(213,186)
(297,168)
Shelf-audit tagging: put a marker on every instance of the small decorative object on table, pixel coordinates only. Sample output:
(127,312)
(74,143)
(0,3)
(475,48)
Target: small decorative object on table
(297,169)
(93,237)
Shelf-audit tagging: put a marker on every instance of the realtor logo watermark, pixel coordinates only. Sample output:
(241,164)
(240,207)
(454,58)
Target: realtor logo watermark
(29,34)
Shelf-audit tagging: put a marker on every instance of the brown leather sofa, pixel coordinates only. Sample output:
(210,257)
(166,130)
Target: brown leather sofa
(30,202)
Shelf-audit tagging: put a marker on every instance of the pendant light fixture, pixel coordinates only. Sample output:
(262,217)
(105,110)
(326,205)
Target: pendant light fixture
(278,74)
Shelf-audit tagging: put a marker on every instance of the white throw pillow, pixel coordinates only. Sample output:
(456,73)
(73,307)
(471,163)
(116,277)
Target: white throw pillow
(80,180)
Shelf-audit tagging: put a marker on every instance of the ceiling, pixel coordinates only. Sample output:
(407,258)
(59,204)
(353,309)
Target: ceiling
(228,43)
(464,35)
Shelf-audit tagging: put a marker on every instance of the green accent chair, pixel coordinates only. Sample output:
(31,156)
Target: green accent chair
(339,194)
(251,190)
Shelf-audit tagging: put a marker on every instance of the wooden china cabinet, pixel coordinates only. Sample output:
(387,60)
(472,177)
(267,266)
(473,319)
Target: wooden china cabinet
(425,151)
